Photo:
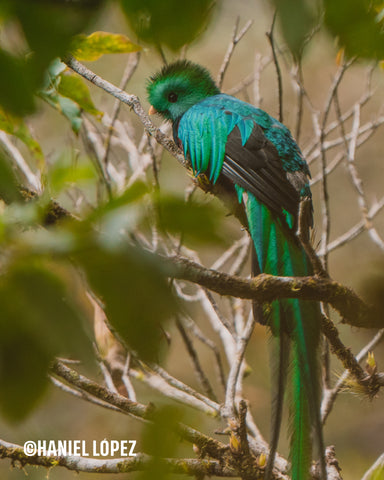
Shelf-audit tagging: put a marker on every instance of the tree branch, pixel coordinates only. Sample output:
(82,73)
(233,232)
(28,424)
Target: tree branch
(132,101)
(266,288)
(148,412)
(185,466)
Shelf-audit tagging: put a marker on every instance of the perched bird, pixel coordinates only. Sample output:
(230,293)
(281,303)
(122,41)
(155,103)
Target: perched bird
(249,152)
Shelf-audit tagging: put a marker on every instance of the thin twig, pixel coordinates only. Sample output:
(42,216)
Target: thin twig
(324,184)
(127,381)
(201,376)
(211,446)
(33,179)
(305,214)
(83,395)
(277,67)
(195,330)
(330,395)
(357,229)
(357,182)
(130,69)
(211,406)
(236,37)
(237,362)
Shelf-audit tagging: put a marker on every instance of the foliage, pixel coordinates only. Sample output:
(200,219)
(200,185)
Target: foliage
(48,29)
(161,24)
(107,248)
(356,24)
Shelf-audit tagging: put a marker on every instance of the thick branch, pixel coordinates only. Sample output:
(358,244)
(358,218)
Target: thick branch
(206,444)
(132,101)
(266,288)
(186,466)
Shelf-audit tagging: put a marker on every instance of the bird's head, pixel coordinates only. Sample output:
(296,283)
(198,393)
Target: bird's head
(177,87)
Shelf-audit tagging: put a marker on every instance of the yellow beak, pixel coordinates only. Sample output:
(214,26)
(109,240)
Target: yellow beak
(152,110)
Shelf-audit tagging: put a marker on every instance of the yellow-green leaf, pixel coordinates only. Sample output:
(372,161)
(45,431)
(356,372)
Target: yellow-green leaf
(64,105)
(16,126)
(92,47)
(73,87)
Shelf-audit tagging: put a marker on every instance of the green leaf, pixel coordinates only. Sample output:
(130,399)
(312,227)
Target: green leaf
(16,86)
(46,30)
(373,291)
(297,19)
(65,106)
(160,441)
(135,293)
(63,172)
(197,223)
(73,87)
(165,23)
(91,47)
(357,26)
(9,186)
(39,320)
(376,472)
(23,370)
(68,94)
(132,194)
(16,126)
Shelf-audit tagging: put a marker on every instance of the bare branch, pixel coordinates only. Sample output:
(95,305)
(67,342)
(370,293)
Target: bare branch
(133,62)
(330,395)
(236,37)
(133,102)
(266,288)
(277,66)
(191,325)
(201,376)
(33,179)
(236,367)
(324,184)
(186,466)
(212,447)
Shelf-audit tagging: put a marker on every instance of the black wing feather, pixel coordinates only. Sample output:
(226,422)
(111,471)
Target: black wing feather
(256,166)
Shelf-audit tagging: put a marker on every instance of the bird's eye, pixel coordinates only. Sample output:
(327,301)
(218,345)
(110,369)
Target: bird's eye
(172,97)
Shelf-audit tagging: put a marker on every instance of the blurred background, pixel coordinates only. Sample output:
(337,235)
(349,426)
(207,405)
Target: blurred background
(356,424)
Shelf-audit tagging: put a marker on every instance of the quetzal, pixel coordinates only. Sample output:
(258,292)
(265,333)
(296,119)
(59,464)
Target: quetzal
(254,155)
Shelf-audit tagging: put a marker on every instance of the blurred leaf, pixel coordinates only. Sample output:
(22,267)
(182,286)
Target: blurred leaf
(297,19)
(132,194)
(73,87)
(63,172)
(16,88)
(68,94)
(9,186)
(135,293)
(357,26)
(47,28)
(373,290)
(197,223)
(91,47)
(65,106)
(16,126)
(38,321)
(160,441)
(23,371)
(55,68)
(376,472)
(166,23)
